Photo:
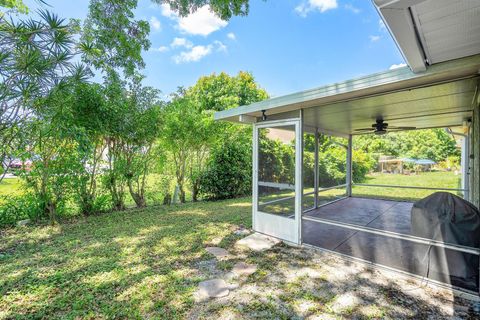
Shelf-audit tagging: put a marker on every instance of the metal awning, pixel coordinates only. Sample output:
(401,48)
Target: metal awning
(439,97)
(432,31)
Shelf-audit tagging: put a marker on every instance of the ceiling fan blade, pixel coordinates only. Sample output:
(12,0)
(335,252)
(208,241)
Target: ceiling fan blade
(401,128)
(364,129)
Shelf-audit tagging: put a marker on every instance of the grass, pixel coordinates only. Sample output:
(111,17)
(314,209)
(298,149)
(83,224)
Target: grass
(131,264)
(11,186)
(440,179)
(145,263)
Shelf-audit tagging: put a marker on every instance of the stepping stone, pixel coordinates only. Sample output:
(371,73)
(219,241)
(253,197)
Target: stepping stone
(217,252)
(214,288)
(23,223)
(257,242)
(242,232)
(244,269)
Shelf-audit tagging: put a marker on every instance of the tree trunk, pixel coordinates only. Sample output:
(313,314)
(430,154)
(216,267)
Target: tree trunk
(195,192)
(167,200)
(138,197)
(182,194)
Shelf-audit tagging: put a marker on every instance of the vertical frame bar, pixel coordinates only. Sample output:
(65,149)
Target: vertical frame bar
(299,176)
(465,163)
(349,166)
(254,175)
(315,170)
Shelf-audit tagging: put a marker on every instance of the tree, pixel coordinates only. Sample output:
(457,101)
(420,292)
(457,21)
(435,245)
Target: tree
(434,144)
(225,9)
(35,56)
(186,133)
(14,4)
(89,114)
(221,92)
(142,119)
(52,146)
(228,173)
(215,93)
(112,40)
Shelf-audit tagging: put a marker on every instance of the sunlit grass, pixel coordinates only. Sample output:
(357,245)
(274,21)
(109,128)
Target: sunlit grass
(131,264)
(441,179)
(11,186)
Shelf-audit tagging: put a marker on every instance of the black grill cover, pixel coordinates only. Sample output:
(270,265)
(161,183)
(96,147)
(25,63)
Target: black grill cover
(445,217)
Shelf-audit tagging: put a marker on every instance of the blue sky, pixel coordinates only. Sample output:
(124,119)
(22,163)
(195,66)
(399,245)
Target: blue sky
(288,45)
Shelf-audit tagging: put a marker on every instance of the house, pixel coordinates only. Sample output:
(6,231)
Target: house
(440,41)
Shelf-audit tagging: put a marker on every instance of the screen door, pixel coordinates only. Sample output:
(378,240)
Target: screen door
(277,177)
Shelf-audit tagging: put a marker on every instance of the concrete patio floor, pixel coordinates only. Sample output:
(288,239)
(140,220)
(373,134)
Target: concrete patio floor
(400,254)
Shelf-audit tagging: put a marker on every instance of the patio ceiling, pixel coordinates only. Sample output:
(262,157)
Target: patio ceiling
(439,97)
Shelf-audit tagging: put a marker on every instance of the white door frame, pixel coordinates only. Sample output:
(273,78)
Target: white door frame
(280,227)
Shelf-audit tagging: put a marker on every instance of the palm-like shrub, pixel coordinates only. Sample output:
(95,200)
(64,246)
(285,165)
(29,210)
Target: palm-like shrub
(35,56)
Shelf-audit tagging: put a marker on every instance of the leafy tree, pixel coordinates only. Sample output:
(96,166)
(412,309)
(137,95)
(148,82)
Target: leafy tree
(88,113)
(225,9)
(228,172)
(53,149)
(112,39)
(116,101)
(142,121)
(35,56)
(221,92)
(434,144)
(214,93)
(14,4)
(186,134)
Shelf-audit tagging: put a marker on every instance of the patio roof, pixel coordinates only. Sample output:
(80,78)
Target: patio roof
(432,31)
(439,97)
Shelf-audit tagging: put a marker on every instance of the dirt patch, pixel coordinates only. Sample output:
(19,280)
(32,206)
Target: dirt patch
(302,283)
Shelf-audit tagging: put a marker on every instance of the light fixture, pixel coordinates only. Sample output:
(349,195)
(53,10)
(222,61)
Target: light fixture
(264,116)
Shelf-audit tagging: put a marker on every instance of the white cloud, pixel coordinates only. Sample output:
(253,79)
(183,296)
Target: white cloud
(396,66)
(374,38)
(167,12)
(155,23)
(350,7)
(160,49)
(194,54)
(311,5)
(220,46)
(201,22)
(181,42)
(381,26)
(231,36)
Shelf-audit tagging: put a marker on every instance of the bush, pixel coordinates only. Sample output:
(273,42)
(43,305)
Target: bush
(332,166)
(19,207)
(228,173)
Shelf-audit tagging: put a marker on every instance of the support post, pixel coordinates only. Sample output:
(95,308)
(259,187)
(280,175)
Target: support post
(315,170)
(349,166)
(465,165)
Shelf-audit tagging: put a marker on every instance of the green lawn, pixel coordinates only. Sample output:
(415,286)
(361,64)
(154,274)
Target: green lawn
(441,179)
(11,186)
(132,264)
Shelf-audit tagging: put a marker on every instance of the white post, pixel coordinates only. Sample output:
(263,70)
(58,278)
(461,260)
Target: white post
(315,170)
(299,177)
(254,176)
(464,163)
(349,166)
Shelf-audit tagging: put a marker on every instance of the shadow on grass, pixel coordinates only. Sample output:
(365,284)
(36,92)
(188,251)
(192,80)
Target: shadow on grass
(134,264)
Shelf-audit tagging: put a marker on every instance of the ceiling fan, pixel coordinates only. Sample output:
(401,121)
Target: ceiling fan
(380,127)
